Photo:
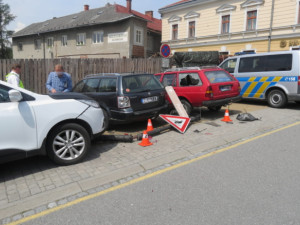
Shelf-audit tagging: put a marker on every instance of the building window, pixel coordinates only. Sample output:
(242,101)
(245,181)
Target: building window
(80,39)
(20,46)
(191,29)
(50,42)
(138,36)
(37,44)
(175,32)
(251,20)
(225,24)
(98,37)
(64,40)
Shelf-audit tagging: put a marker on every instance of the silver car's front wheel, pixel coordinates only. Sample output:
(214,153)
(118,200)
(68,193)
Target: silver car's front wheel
(68,144)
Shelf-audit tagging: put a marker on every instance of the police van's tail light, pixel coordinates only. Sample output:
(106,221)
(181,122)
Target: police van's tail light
(123,102)
(298,80)
(209,92)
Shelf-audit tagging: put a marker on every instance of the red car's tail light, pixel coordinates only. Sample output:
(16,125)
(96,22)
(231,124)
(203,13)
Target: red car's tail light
(209,92)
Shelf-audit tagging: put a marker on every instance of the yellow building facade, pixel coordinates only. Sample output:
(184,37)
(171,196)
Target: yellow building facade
(231,26)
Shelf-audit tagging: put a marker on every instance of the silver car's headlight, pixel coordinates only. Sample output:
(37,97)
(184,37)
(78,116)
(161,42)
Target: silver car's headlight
(90,103)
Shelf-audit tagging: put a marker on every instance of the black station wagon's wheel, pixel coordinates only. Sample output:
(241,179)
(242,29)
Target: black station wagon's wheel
(68,144)
(214,108)
(277,99)
(186,105)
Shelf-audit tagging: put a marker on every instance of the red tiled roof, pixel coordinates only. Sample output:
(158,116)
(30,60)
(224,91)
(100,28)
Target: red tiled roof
(152,24)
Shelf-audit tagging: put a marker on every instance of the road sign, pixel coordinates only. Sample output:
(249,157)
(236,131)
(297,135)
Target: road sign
(176,102)
(165,50)
(179,122)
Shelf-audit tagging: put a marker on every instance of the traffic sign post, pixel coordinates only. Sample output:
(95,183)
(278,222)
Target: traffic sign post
(179,122)
(165,50)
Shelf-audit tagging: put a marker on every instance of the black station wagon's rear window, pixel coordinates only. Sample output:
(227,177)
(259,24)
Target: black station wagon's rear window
(139,83)
(218,76)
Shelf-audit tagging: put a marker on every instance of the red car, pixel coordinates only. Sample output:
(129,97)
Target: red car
(212,87)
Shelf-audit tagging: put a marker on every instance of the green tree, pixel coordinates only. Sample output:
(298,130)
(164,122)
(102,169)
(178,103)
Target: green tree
(5,18)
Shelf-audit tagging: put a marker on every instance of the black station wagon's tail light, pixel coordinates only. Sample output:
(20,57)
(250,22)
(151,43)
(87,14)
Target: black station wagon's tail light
(209,92)
(123,102)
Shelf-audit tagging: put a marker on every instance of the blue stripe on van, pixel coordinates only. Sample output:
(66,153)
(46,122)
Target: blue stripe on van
(253,92)
(245,88)
(243,79)
(270,79)
(257,79)
(271,85)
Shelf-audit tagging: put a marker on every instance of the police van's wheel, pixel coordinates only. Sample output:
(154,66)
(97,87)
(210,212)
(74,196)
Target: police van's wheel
(68,144)
(277,99)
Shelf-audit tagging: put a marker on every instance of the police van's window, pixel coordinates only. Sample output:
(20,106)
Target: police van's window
(229,65)
(266,63)
(218,76)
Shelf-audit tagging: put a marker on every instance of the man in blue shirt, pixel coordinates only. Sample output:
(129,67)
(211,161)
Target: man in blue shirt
(59,81)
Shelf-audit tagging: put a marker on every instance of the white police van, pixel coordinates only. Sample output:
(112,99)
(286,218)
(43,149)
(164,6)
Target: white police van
(273,76)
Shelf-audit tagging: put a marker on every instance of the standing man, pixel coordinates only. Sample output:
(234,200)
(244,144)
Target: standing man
(14,76)
(59,80)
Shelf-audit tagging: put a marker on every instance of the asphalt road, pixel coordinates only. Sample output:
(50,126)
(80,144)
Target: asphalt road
(253,183)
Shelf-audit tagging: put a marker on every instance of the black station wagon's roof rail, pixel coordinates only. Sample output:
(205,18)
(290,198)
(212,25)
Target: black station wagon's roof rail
(192,68)
(114,74)
(101,74)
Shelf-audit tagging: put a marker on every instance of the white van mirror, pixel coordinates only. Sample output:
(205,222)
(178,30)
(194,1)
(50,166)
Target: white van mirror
(15,96)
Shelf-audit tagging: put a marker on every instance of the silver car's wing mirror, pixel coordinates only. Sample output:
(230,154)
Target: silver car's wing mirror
(15,96)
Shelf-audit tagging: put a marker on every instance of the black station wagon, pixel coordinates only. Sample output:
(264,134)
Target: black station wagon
(125,97)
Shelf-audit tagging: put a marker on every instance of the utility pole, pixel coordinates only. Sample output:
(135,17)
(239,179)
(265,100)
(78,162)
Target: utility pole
(271,26)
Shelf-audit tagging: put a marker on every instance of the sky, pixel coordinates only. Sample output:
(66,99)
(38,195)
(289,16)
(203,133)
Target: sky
(33,11)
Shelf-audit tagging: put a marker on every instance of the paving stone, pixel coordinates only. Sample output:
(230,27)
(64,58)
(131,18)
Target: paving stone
(62,202)
(40,209)
(28,213)
(6,221)
(52,205)
(17,217)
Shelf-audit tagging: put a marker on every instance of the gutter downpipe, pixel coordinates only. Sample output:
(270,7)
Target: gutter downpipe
(271,26)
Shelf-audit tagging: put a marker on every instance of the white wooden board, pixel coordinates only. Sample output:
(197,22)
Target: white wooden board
(176,102)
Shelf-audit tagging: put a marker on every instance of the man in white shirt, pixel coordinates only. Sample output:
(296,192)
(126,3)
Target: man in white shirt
(14,76)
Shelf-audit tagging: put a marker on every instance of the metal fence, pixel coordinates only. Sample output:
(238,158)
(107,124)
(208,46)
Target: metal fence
(35,71)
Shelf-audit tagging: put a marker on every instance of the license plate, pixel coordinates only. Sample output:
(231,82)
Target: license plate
(225,88)
(149,99)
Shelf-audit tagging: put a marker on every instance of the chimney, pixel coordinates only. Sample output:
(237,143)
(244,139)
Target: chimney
(128,5)
(149,13)
(86,7)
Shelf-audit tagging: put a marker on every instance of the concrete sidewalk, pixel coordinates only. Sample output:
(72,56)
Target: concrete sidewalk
(33,185)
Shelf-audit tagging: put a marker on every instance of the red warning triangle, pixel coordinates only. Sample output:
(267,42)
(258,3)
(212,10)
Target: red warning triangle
(179,122)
